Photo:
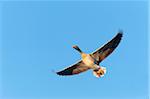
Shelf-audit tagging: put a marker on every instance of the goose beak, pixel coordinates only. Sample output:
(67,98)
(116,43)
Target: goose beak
(75,46)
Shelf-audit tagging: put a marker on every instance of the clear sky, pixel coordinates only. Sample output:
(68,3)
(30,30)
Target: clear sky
(37,37)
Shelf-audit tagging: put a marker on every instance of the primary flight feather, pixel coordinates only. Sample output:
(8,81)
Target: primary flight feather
(92,61)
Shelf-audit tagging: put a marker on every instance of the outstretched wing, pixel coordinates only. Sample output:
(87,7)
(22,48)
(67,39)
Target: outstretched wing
(107,49)
(74,69)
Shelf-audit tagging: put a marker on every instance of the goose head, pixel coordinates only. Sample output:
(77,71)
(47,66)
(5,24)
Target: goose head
(77,48)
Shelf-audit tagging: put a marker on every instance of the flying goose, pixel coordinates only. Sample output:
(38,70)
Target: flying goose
(92,60)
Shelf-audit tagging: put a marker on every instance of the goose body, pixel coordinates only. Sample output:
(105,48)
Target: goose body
(88,60)
(92,60)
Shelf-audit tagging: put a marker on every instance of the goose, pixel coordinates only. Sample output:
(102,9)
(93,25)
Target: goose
(92,60)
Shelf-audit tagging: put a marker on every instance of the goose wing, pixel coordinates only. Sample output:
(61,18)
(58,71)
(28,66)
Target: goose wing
(74,69)
(101,53)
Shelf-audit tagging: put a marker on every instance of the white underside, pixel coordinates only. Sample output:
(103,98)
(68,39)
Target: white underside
(96,73)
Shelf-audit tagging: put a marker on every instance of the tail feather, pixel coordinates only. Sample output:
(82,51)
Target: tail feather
(100,72)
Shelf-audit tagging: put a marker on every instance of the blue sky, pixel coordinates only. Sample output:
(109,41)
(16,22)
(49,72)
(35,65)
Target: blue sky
(37,37)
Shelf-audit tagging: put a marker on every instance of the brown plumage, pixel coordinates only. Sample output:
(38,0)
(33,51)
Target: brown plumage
(91,61)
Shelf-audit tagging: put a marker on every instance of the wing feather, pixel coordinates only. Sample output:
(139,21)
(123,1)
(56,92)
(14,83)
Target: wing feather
(74,69)
(101,53)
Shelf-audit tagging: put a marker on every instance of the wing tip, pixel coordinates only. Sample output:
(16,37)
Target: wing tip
(120,33)
(64,73)
(54,72)
(59,73)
